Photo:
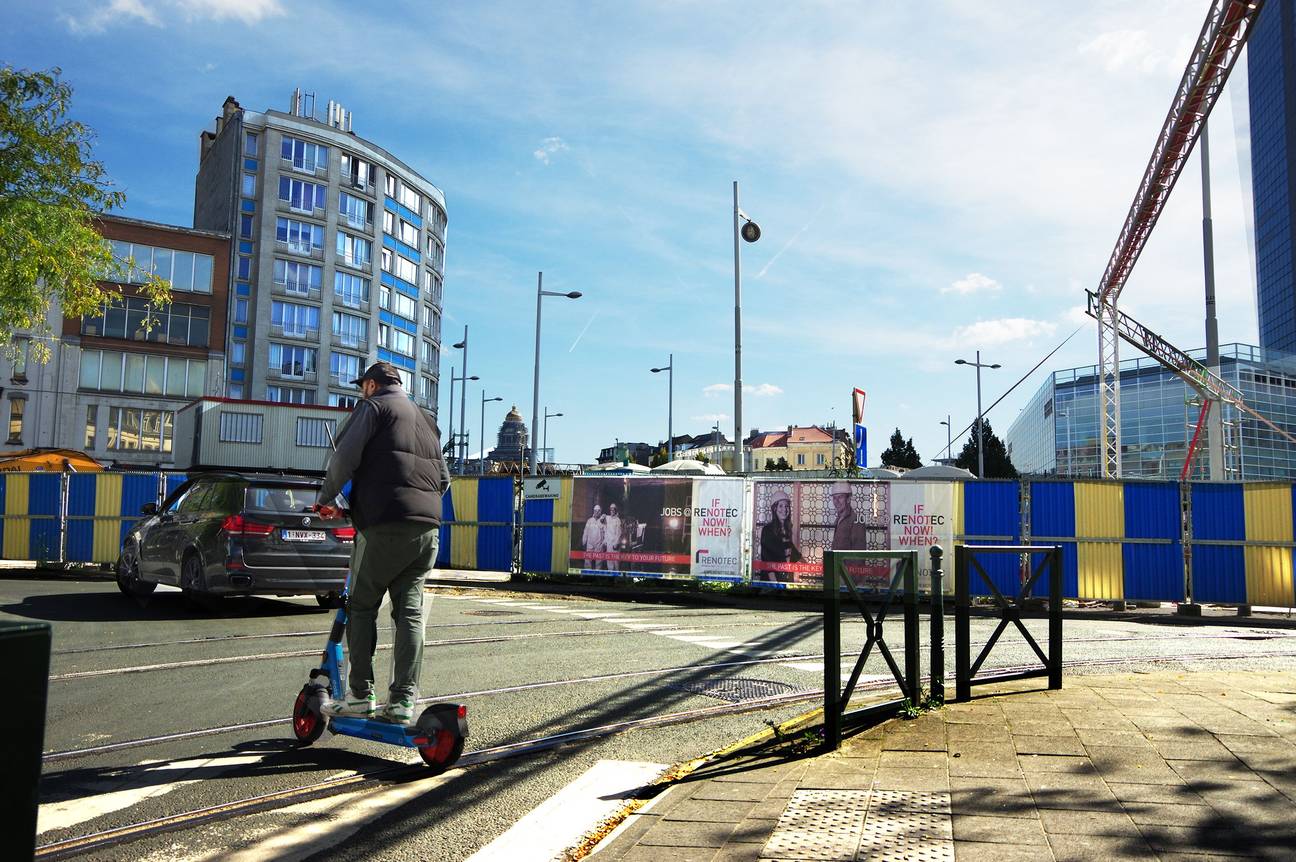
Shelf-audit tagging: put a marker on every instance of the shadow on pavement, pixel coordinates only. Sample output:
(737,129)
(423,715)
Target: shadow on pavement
(109,605)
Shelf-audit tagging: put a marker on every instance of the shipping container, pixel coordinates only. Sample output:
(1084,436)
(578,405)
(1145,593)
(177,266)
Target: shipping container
(255,435)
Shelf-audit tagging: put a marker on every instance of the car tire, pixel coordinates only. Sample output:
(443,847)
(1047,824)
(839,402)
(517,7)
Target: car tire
(191,583)
(331,599)
(128,577)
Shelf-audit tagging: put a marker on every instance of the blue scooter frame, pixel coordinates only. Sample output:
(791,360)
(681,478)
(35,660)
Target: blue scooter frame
(438,734)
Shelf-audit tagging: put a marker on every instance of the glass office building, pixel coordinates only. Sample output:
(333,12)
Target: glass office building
(1057,432)
(1271,82)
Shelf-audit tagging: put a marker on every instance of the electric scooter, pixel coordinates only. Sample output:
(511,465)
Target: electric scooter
(438,734)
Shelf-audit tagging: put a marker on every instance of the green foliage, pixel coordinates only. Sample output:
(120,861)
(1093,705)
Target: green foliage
(782,464)
(50,191)
(997,463)
(658,458)
(901,453)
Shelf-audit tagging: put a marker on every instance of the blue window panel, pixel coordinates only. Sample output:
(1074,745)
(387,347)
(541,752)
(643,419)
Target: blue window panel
(401,248)
(397,321)
(1153,572)
(248,206)
(174,481)
(1219,571)
(250,164)
(237,375)
(245,248)
(243,289)
(240,332)
(537,542)
(411,217)
(990,509)
(1053,515)
(399,284)
(495,544)
(405,362)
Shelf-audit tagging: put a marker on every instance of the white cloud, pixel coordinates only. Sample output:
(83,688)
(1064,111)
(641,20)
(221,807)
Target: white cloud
(758,390)
(1119,50)
(151,12)
(973,282)
(986,333)
(712,417)
(550,147)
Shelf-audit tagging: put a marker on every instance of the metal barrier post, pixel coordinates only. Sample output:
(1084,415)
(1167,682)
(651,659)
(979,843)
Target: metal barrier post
(913,668)
(937,669)
(962,626)
(1055,619)
(63,517)
(832,654)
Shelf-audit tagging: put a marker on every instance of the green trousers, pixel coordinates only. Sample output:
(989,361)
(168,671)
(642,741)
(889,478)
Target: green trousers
(394,559)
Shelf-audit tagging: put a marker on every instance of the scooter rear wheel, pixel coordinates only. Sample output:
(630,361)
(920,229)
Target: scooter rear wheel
(443,752)
(308,725)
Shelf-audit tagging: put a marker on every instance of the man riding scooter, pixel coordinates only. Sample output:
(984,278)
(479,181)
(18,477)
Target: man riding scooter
(390,452)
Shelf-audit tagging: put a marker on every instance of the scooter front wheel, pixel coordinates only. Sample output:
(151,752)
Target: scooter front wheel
(308,725)
(443,752)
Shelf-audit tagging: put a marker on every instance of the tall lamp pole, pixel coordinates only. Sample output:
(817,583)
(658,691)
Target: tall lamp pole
(749,231)
(949,440)
(481,456)
(541,293)
(545,443)
(461,457)
(980,420)
(670,405)
(463,425)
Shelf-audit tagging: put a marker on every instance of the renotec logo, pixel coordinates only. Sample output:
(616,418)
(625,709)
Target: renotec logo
(704,557)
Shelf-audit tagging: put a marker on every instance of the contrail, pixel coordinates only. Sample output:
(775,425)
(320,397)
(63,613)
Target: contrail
(796,236)
(583,331)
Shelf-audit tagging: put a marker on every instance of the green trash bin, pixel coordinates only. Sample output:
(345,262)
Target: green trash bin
(25,656)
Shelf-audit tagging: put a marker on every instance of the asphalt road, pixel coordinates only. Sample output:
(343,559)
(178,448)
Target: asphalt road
(124,672)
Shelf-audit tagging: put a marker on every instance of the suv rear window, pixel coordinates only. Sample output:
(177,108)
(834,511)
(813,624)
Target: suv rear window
(280,498)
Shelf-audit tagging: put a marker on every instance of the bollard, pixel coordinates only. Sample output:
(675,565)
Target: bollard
(26,651)
(962,626)
(937,626)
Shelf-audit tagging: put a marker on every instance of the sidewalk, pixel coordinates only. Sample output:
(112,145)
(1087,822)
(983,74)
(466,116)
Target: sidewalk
(1173,766)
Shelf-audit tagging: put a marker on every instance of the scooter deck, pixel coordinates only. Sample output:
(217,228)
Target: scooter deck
(378,730)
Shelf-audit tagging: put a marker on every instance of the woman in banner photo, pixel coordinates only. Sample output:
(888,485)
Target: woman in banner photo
(612,535)
(777,544)
(592,540)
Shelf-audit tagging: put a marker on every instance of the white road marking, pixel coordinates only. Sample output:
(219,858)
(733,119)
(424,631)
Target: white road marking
(561,821)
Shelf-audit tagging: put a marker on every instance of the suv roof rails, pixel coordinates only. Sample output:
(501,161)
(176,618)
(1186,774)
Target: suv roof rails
(255,471)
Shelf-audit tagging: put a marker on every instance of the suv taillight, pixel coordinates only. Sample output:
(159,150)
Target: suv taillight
(237,525)
(345,534)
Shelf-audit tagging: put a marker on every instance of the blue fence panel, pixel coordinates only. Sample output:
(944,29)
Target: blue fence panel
(43,504)
(82,493)
(537,542)
(1219,572)
(495,544)
(447,516)
(1153,572)
(991,509)
(1053,519)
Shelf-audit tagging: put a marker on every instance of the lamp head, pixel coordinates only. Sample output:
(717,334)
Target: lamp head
(496,398)
(460,345)
(474,377)
(655,370)
(996,365)
(575,294)
(960,362)
(555,414)
(750,231)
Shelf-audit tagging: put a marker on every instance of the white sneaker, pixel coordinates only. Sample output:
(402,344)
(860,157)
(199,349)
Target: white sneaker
(353,707)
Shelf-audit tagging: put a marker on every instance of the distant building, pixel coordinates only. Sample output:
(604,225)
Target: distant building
(636,453)
(511,446)
(807,447)
(1057,431)
(113,384)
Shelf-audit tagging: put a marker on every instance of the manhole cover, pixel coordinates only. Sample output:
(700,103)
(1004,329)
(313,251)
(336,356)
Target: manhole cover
(738,690)
(493,613)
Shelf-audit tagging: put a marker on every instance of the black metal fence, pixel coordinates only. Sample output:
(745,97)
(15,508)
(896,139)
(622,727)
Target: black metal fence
(966,562)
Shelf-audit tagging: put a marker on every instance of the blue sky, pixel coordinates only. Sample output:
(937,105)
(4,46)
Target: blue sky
(929,179)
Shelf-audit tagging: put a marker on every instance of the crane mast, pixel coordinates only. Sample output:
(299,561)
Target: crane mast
(1227,26)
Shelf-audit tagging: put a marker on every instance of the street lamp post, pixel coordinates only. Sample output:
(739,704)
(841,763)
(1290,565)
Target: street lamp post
(463,425)
(749,231)
(544,446)
(541,293)
(670,406)
(949,440)
(980,420)
(456,455)
(481,456)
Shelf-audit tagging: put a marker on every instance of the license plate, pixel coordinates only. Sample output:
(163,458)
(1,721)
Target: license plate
(303,535)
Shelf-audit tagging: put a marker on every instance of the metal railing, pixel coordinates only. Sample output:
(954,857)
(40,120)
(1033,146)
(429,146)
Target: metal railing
(903,582)
(965,562)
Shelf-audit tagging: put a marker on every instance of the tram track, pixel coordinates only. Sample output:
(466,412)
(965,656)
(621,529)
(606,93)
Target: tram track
(68,847)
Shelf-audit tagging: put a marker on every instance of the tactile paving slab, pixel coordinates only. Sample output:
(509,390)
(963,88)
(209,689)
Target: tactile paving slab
(819,825)
(849,825)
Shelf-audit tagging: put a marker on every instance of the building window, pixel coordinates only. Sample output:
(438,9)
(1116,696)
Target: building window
(187,271)
(348,401)
(245,226)
(397,303)
(801,460)
(134,319)
(245,268)
(238,352)
(16,408)
(240,427)
(301,195)
(408,234)
(289,395)
(130,428)
(21,351)
(249,143)
(425,389)
(437,217)
(293,319)
(355,211)
(432,286)
(290,361)
(116,371)
(400,267)
(344,368)
(356,172)
(354,251)
(390,184)
(304,155)
(240,311)
(350,330)
(819,458)
(427,353)
(299,236)
(315,433)
(92,420)
(412,200)
(236,390)
(301,279)
(351,289)
(249,185)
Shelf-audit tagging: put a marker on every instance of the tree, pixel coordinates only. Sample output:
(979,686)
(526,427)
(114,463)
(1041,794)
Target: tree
(50,192)
(782,464)
(658,458)
(997,463)
(901,453)
(769,465)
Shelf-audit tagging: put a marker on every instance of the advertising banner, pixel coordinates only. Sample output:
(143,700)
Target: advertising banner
(794,522)
(658,527)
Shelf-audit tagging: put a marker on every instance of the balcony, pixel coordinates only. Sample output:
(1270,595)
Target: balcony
(343,381)
(320,169)
(350,340)
(429,366)
(313,252)
(298,333)
(292,375)
(293,291)
(362,265)
(345,302)
(284,206)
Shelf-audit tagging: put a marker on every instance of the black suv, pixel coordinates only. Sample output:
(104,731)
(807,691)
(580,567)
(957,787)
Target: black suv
(234,533)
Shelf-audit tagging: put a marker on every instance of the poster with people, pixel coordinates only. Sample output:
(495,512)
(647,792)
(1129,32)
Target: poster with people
(794,522)
(658,527)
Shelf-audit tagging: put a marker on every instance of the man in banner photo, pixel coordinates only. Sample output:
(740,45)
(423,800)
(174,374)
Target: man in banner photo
(643,526)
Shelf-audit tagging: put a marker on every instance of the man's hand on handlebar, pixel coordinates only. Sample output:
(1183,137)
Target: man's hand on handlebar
(328,513)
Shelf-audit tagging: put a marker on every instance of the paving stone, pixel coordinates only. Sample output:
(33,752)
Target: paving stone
(1238,743)
(710,811)
(1185,839)
(635,828)
(984,760)
(1213,770)
(733,792)
(1086,848)
(912,779)
(770,808)
(1059,790)
(753,830)
(960,733)
(1272,760)
(998,830)
(1035,727)
(649,853)
(758,772)
(1081,822)
(912,760)
(1124,738)
(1055,763)
(1204,749)
(1093,718)
(738,853)
(1139,765)
(991,796)
(979,851)
(784,789)
(1054,745)
(914,742)
(858,780)
(1162,793)
(1171,814)
(687,834)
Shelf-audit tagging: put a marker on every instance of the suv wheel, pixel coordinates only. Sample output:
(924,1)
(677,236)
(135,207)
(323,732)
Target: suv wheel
(331,599)
(128,577)
(191,586)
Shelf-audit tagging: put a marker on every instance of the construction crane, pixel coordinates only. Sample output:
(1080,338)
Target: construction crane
(1228,24)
